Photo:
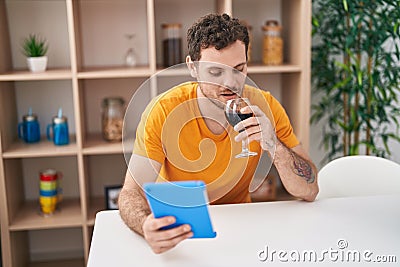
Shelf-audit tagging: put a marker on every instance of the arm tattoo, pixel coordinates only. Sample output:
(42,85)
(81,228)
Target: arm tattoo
(302,168)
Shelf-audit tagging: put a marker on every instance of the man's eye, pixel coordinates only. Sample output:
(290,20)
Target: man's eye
(215,73)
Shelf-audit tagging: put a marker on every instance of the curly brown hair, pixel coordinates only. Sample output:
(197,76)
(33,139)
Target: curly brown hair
(217,31)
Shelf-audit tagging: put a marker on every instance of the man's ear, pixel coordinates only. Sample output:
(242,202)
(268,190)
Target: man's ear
(191,67)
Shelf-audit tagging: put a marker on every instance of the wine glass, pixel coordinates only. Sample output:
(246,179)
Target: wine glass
(130,56)
(234,116)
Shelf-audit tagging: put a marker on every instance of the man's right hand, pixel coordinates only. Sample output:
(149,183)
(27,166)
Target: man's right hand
(163,240)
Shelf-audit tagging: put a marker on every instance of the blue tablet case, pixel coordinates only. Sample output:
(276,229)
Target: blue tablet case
(186,201)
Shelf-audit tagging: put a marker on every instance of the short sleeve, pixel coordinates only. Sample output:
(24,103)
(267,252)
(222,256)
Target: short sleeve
(283,128)
(148,135)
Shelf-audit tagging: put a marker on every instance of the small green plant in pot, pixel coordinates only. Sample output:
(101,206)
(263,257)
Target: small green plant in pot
(35,49)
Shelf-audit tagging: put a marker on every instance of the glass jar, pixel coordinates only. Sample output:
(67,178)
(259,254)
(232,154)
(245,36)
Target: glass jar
(272,43)
(29,128)
(172,44)
(59,127)
(112,118)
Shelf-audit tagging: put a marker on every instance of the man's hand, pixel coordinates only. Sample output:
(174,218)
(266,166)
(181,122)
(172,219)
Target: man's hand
(295,168)
(163,240)
(258,128)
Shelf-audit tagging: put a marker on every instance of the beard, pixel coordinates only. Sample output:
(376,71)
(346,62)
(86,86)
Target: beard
(218,103)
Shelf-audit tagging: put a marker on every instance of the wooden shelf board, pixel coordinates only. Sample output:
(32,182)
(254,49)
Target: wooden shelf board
(96,204)
(114,72)
(29,217)
(96,145)
(26,75)
(285,68)
(44,148)
(59,263)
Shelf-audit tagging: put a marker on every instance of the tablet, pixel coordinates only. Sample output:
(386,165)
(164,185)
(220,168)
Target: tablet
(187,201)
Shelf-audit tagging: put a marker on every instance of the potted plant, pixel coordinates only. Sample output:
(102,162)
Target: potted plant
(35,49)
(356,75)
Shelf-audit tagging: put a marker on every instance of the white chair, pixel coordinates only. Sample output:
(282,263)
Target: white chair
(359,176)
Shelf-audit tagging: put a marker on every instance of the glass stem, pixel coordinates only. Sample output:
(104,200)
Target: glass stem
(245,149)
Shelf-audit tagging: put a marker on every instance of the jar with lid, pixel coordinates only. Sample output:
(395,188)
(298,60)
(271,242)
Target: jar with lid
(112,118)
(172,44)
(272,43)
(59,128)
(29,129)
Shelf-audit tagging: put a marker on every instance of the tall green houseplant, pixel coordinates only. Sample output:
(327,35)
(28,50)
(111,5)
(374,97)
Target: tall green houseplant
(356,75)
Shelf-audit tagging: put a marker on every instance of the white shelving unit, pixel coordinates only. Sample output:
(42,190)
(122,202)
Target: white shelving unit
(85,65)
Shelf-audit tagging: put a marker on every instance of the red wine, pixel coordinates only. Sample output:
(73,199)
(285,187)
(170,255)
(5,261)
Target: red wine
(235,118)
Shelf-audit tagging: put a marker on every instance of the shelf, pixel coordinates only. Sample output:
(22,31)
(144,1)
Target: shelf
(114,72)
(26,75)
(28,217)
(259,68)
(96,204)
(44,148)
(96,145)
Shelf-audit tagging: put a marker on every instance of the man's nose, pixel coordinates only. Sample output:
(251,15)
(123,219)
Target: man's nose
(229,82)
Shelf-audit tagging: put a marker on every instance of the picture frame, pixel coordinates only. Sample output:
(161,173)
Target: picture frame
(111,196)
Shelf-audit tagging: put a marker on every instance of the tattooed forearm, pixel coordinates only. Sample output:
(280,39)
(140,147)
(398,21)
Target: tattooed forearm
(298,174)
(302,168)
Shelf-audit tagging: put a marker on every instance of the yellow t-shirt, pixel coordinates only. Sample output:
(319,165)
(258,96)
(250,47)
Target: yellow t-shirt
(173,133)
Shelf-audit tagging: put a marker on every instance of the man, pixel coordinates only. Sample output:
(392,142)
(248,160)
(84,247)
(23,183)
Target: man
(184,135)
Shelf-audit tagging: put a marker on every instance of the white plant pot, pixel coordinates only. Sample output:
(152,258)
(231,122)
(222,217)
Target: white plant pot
(37,64)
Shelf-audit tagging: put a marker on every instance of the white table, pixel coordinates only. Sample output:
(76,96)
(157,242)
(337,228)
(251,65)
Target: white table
(290,230)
